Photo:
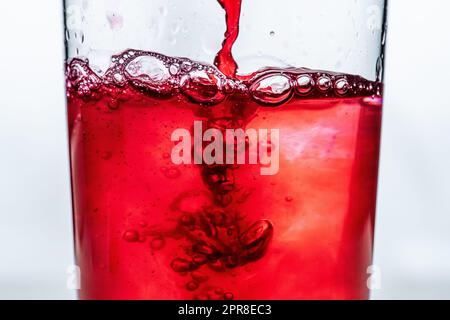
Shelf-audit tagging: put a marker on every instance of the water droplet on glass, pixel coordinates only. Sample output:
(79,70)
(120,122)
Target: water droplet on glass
(115,20)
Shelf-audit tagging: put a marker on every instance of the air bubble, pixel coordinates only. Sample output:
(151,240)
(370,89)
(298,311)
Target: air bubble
(186,66)
(113,104)
(199,259)
(271,90)
(221,179)
(229,86)
(148,69)
(256,239)
(341,86)
(205,249)
(192,286)
(360,86)
(228,296)
(131,236)
(217,266)
(272,33)
(118,77)
(304,84)
(182,265)
(324,83)
(201,87)
(174,69)
(241,87)
(82,79)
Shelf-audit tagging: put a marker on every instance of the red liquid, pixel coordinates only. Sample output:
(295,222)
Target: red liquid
(224,59)
(149,229)
(146,228)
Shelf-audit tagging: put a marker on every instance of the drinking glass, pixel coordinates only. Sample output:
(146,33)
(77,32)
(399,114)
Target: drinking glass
(224,149)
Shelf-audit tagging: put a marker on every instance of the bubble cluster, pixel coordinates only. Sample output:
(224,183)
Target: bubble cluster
(162,76)
(217,244)
(81,79)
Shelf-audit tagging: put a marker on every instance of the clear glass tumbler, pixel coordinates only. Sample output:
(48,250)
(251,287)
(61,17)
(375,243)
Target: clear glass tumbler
(224,149)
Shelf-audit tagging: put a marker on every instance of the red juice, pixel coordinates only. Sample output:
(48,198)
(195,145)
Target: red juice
(192,182)
(147,228)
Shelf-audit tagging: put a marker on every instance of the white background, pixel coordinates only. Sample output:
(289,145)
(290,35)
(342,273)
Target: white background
(412,240)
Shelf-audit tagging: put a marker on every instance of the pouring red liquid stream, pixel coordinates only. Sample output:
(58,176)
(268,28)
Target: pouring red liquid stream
(224,59)
(146,228)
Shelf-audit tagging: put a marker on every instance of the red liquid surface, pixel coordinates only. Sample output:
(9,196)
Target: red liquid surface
(146,228)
